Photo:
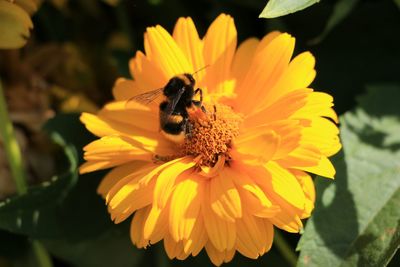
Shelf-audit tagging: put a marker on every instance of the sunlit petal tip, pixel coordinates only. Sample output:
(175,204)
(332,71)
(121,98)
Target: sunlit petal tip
(267,39)
(84,117)
(170,58)
(307,59)
(86,168)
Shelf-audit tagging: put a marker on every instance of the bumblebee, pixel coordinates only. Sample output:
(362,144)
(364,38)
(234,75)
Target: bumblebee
(182,104)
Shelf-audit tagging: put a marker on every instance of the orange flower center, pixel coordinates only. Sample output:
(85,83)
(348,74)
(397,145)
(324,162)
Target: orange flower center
(212,137)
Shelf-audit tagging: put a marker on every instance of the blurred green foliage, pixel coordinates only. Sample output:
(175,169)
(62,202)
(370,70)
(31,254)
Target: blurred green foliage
(78,48)
(356,219)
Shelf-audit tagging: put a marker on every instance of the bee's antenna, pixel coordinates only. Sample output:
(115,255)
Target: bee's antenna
(206,66)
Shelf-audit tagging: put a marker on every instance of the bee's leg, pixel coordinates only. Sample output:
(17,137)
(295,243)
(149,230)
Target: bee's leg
(198,90)
(196,103)
(199,103)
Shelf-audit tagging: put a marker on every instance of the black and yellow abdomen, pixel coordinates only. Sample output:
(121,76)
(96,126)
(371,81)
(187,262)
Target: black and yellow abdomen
(173,126)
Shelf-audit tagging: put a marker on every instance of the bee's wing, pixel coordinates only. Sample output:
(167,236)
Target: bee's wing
(171,106)
(147,97)
(174,101)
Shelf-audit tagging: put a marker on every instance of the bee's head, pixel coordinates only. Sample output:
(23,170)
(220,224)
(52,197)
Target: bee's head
(189,79)
(174,85)
(177,83)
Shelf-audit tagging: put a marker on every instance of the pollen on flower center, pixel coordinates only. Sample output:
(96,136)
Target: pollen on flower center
(212,137)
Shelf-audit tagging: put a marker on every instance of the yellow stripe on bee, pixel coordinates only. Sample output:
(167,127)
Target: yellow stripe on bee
(184,79)
(175,119)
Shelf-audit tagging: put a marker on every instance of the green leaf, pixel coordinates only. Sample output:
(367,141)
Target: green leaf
(356,221)
(341,10)
(83,213)
(28,214)
(15,24)
(277,8)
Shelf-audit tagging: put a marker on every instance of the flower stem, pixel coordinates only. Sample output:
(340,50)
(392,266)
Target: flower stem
(14,157)
(11,146)
(285,249)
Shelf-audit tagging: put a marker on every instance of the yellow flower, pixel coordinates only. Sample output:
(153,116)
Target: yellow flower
(242,170)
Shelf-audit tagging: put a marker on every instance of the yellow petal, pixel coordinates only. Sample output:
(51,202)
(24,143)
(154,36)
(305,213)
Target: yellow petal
(167,178)
(266,69)
(304,155)
(218,257)
(130,193)
(124,89)
(253,236)
(269,234)
(102,126)
(137,179)
(242,59)
(257,147)
(182,254)
(136,230)
(151,221)
(110,151)
(138,199)
(323,134)
(150,141)
(307,184)
(266,40)
(132,113)
(187,38)
(221,233)
(224,197)
(287,132)
(323,168)
(117,174)
(286,185)
(92,166)
(156,224)
(147,74)
(299,74)
(99,127)
(197,239)
(174,249)
(288,217)
(185,207)
(252,196)
(115,148)
(290,133)
(170,247)
(282,109)
(219,48)
(318,104)
(165,53)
